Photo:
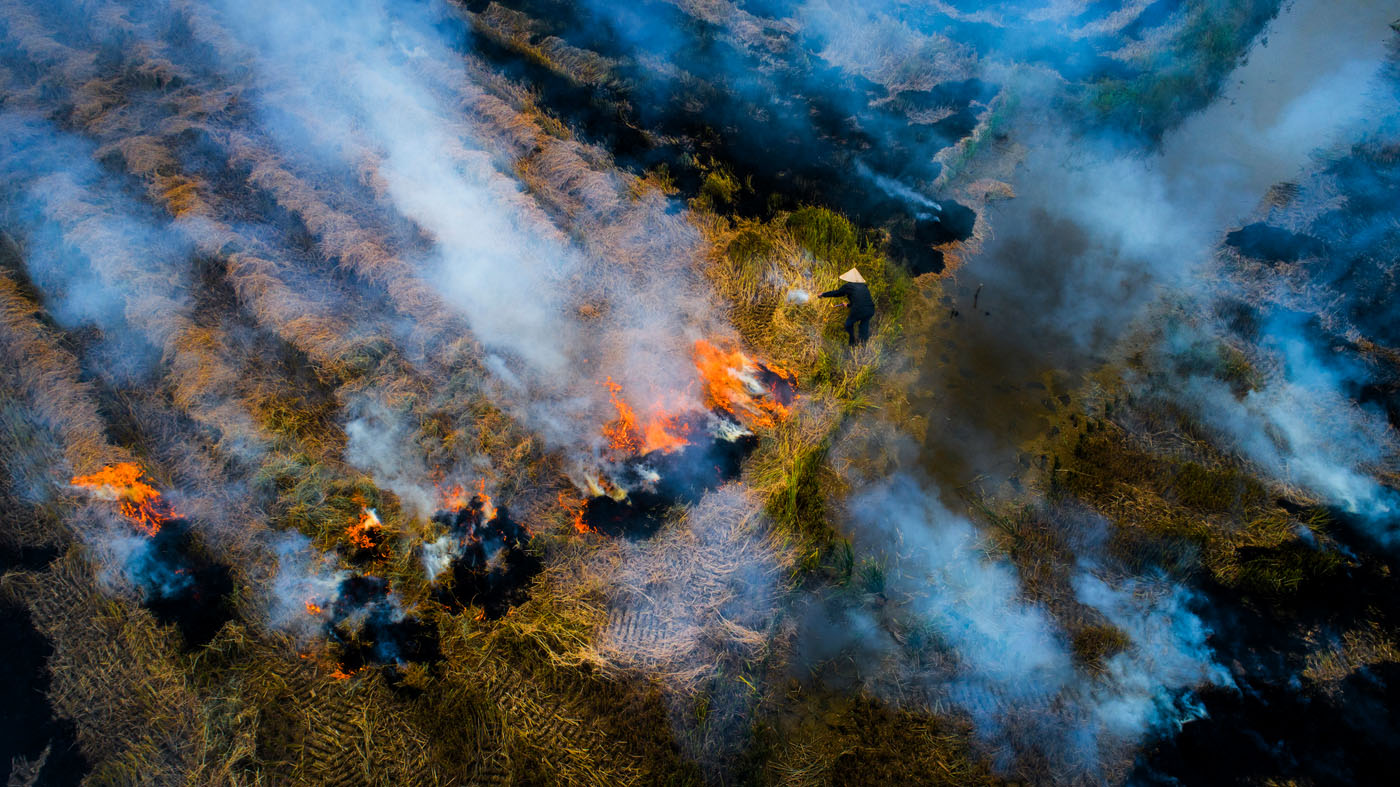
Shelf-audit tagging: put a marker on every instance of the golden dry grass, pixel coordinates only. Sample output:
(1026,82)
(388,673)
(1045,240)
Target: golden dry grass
(625,652)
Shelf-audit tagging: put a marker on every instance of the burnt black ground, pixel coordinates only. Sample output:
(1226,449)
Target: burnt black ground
(793,133)
(180,585)
(497,564)
(27,723)
(1278,727)
(1272,244)
(369,629)
(685,475)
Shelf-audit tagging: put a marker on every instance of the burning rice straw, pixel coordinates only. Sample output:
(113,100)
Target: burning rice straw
(140,503)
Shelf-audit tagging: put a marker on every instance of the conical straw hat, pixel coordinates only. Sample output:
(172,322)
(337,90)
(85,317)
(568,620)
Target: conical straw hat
(853,275)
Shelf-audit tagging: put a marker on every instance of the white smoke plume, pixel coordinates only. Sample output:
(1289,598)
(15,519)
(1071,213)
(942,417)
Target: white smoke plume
(1008,662)
(494,257)
(1142,690)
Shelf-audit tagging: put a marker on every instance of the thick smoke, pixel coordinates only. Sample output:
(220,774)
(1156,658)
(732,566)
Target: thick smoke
(493,255)
(371,94)
(584,276)
(102,262)
(354,64)
(1303,428)
(102,259)
(971,638)
(1008,651)
(1097,234)
(1145,688)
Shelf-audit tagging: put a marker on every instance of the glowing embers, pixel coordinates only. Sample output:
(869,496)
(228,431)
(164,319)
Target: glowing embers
(483,559)
(367,627)
(140,503)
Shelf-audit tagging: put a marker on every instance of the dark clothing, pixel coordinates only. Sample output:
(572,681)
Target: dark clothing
(861,305)
(851,324)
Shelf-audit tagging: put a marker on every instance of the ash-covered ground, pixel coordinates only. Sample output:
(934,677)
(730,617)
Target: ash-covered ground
(435,392)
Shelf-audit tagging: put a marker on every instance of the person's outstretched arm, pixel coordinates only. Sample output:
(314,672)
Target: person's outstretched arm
(843,290)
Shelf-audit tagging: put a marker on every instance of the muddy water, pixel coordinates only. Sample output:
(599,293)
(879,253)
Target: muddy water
(1093,237)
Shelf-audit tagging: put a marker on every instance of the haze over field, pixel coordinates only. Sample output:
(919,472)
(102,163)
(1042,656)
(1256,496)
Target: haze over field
(438,392)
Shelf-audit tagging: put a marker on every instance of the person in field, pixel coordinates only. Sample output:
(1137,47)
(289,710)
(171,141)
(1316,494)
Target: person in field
(860,306)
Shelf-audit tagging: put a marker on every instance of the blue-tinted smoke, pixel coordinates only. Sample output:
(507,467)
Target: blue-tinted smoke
(1012,669)
(95,253)
(1304,428)
(1147,687)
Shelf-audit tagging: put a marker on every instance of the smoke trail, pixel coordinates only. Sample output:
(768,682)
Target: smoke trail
(1146,687)
(495,258)
(1304,428)
(1098,232)
(896,189)
(101,258)
(1094,237)
(1011,667)
(83,240)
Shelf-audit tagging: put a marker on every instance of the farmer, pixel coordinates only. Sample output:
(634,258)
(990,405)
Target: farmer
(860,305)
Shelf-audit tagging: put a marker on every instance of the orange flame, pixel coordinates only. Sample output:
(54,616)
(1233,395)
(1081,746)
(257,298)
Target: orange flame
(140,502)
(621,433)
(359,533)
(758,395)
(732,384)
(455,498)
(488,511)
(312,608)
(579,524)
(662,432)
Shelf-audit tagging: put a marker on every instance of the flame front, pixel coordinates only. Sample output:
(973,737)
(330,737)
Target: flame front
(455,498)
(662,432)
(360,532)
(622,432)
(140,503)
(735,383)
(757,394)
(488,511)
(577,513)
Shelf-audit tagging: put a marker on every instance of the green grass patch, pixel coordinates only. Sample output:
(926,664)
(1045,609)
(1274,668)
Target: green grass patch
(1286,569)
(1185,76)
